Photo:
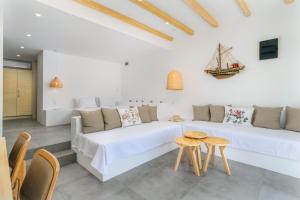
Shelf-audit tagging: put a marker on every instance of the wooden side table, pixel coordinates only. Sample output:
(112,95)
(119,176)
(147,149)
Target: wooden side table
(211,143)
(195,134)
(193,145)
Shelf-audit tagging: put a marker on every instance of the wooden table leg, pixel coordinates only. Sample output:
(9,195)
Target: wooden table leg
(178,157)
(208,156)
(195,163)
(189,156)
(199,157)
(226,166)
(213,162)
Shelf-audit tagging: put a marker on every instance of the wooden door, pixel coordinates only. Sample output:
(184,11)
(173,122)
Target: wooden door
(24,93)
(10,85)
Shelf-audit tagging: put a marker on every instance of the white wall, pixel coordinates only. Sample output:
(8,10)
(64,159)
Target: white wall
(81,77)
(263,82)
(1,66)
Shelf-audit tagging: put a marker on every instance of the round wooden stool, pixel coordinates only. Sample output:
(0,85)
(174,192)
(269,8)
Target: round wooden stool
(211,143)
(193,145)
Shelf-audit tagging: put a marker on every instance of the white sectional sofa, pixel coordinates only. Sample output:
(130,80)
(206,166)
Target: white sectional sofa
(276,150)
(109,153)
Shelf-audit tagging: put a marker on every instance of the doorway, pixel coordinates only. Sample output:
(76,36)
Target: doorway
(17,97)
(17,93)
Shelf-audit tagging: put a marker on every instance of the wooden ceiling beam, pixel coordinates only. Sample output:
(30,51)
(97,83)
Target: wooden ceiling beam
(163,15)
(200,10)
(289,1)
(117,15)
(244,7)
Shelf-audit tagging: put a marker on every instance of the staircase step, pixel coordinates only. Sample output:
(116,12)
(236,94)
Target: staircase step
(64,158)
(53,148)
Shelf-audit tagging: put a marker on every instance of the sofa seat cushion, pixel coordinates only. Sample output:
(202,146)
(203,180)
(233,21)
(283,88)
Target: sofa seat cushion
(107,146)
(278,143)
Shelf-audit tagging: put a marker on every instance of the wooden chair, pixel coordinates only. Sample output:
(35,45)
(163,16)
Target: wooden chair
(16,160)
(41,177)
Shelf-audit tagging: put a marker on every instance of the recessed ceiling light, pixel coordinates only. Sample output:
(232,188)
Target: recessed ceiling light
(18,55)
(22,47)
(37,14)
(167,23)
(28,35)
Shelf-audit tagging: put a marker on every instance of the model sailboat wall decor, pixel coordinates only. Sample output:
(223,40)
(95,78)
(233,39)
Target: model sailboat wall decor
(223,64)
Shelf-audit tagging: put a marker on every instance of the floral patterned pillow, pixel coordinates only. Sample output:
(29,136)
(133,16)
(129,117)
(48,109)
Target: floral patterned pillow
(238,116)
(129,116)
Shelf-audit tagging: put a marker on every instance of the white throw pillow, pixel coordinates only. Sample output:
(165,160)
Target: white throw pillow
(129,116)
(238,116)
(87,102)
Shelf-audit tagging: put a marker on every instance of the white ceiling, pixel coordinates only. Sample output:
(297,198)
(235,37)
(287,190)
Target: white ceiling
(71,28)
(59,31)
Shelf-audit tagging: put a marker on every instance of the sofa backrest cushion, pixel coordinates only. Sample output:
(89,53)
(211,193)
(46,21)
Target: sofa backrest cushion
(217,113)
(201,113)
(144,114)
(293,119)
(111,118)
(129,116)
(267,117)
(92,121)
(152,112)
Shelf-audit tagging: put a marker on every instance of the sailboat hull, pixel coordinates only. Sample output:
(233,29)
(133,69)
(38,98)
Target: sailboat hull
(224,73)
(223,76)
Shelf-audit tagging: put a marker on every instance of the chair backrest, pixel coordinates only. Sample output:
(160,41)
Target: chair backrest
(17,154)
(41,177)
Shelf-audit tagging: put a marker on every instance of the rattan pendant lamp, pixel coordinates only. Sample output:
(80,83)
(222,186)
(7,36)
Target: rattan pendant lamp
(174,81)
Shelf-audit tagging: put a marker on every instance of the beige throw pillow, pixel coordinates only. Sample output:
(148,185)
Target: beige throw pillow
(201,113)
(293,119)
(266,117)
(111,118)
(144,114)
(217,113)
(152,112)
(92,121)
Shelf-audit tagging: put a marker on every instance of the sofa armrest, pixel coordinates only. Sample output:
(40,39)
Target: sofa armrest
(76,128)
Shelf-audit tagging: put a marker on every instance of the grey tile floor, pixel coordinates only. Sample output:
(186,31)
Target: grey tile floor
(40,135)
(156,180)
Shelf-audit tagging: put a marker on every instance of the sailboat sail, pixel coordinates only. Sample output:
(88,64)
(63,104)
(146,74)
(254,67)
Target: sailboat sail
(223,64)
